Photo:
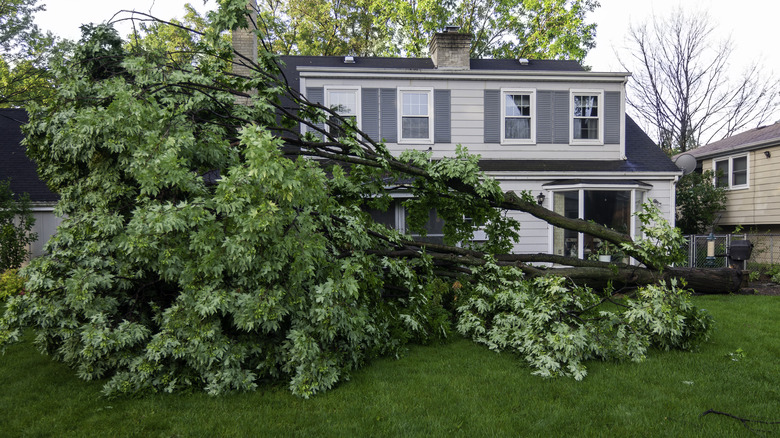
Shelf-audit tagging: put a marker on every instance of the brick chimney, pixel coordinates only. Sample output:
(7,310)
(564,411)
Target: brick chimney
(450,49)
(245,43)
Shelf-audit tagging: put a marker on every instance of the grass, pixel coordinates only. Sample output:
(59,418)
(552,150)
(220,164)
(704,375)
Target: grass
(458,389)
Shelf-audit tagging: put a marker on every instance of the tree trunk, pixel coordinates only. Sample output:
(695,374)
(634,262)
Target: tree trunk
(702,281)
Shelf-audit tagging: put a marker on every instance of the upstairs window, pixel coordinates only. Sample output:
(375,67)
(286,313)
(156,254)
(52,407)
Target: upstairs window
(517,113)
(416,115)
(346,102)
(732,172)
(586,117)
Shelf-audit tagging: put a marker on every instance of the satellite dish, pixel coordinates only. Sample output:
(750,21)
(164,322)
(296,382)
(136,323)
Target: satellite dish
(686,163)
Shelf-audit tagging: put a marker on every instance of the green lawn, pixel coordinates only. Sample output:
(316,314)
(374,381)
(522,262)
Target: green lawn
(455,389)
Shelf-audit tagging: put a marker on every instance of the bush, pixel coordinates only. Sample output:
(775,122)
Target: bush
(11,284)
(16,221)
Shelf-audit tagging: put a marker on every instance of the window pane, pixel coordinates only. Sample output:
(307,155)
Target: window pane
(344,102)
(609,208)
(722,173)
(336,123)
(566,242)
(517,128)
(414,127)
(415,104)
(518,105)
(586,106)
(739,173)
(586,129)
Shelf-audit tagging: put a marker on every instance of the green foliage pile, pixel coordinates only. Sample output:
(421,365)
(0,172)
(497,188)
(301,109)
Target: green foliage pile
(555,326)
(16,222)
(195,254)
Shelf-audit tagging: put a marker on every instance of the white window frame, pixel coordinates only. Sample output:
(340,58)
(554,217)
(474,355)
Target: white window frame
(358,107)
(517,91)
(730,172)
(638,195)
(401,92)
(587,141)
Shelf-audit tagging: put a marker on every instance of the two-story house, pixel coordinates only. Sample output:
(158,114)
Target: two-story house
(545,126)
(746,165)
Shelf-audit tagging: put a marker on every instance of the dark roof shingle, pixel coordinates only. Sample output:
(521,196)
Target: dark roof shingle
(14,163)
(762,136)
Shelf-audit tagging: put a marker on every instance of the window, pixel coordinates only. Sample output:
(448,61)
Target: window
(586,117)
(517,113)
(346,102)
(416,115)
(732,172)
(613,208)
(396,216)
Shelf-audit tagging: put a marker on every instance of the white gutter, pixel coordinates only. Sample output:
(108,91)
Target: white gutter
(395,74)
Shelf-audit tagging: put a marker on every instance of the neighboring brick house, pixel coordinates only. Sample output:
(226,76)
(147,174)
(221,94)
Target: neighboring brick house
(17,168)
(548,127)
(748,166)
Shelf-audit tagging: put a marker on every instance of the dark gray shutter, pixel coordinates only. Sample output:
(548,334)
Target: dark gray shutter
(544,117)
(492,105)
(369,100)
(442,123)
(612,117)
(316,95)
(561,115)
(388,111)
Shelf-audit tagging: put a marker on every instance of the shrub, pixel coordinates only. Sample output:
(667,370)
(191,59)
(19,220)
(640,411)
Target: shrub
(11,284)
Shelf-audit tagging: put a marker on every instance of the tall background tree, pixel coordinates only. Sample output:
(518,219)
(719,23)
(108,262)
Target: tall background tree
(25,51)
(552,29)
(682,85)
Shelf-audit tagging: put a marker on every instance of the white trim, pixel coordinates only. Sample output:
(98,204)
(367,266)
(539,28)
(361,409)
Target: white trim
(532,118)
(730,173)
(600,107)
(480,75)
(403,90)
(358,103)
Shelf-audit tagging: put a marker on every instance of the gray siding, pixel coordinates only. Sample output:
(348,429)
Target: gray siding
(492,105)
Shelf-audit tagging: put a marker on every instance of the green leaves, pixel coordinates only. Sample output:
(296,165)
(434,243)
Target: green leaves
(555,328)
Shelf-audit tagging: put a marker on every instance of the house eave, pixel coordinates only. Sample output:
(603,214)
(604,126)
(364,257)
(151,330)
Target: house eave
(481,75)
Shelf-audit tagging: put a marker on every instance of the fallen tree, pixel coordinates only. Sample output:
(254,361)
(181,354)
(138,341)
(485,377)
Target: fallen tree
(199,250)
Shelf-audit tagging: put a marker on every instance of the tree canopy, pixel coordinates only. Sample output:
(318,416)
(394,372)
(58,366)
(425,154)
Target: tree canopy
(542,29)
(209,244)
(26,51)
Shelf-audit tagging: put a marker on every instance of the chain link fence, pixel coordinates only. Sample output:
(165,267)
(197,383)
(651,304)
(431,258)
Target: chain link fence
(766,249)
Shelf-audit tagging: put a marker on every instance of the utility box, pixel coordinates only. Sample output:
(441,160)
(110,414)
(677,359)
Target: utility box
(739,252)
